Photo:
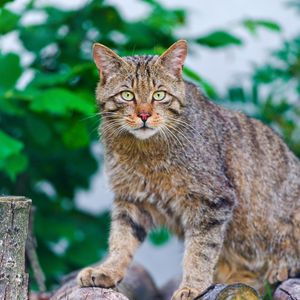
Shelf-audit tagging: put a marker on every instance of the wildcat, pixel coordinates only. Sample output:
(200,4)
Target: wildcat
(225,183)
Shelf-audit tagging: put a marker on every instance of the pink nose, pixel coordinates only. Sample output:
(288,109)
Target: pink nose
(144,116)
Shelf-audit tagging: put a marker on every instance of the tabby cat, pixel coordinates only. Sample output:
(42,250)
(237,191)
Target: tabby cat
(225,183)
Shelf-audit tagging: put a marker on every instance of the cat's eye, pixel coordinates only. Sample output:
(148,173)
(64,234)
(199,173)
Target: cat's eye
(159,95)
(128,96)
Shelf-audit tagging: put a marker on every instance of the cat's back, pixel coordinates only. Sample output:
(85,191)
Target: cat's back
(260,164)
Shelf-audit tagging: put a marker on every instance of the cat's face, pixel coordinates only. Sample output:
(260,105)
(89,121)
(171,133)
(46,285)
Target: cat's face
(142,95)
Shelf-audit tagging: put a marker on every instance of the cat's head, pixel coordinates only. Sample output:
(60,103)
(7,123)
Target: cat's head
(142,95)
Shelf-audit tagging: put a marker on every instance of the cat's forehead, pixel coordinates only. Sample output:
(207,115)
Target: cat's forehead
(141,60)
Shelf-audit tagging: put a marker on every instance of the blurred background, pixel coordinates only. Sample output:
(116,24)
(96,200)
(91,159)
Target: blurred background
(243,54)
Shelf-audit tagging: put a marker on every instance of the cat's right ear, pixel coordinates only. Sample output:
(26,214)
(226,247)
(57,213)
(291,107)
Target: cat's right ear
(107,61)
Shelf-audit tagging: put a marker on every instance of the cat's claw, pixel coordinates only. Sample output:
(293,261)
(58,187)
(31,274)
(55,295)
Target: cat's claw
(99,277)
(185,293)
(277,273)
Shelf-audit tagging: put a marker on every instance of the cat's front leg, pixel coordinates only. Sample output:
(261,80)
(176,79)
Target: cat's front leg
(130,224)
(203,236)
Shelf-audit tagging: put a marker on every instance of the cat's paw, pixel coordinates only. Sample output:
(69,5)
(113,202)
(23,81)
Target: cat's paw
(185,293)
(277,273)
(99,277)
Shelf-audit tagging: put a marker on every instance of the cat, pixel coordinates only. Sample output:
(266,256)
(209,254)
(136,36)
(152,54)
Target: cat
(224,182)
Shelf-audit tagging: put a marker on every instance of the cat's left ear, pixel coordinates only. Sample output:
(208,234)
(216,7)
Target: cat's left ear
(174,57)
(107,61)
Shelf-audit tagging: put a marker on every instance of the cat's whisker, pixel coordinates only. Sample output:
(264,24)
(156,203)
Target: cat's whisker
(110,113)
(184,124)
(164,136)
(182,134)
(90,117)
(175,137)
(107,129)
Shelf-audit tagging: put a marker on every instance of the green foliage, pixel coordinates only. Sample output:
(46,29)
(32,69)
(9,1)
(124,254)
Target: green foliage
(47,128)
(159,236)
(268,292)
(8,20)
(219,39)
(12,161)
(10,71)
(253,25)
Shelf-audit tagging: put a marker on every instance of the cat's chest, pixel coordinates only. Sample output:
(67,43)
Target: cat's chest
(155,181)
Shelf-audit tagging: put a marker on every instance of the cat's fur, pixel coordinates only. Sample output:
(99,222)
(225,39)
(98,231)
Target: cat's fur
(224,182)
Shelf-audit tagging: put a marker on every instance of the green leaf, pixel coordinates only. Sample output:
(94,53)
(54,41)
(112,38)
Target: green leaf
(42,79)
(159,236)
(10,70)
(60,102)
(77,136)
(3,2)
(12,162)
(253,24)
(8,146)
(10,106)
(37,37)
(74,254)
(8,20)
(14,165)
(219,39)
(39,130)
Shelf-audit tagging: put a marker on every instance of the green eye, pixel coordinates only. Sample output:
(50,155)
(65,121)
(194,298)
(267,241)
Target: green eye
(159,95)
(128,96)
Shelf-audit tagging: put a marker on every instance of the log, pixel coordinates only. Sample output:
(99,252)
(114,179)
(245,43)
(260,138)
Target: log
(238,291)
(14,212)
(288,290)
(136,285)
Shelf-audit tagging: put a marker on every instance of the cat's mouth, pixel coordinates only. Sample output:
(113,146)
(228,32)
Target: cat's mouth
(144,132)
(144,127)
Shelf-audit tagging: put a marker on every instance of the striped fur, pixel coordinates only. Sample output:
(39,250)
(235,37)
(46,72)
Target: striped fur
(224,182)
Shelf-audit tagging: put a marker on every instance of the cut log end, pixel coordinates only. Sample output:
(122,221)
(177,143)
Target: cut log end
(288,290)
(236,291)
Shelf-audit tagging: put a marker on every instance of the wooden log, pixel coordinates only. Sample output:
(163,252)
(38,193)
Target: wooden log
(237,291)
(14,212)
(288,290)
(136,285)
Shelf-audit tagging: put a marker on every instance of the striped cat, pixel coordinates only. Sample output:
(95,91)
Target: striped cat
(225,183)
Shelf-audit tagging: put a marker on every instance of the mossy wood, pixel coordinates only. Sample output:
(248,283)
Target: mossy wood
(14,212)
(237,291)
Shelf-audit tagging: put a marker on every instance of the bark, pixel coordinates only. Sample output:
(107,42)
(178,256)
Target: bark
(14,212)
(136,285)
(230,292)
(32,257)
(215,292)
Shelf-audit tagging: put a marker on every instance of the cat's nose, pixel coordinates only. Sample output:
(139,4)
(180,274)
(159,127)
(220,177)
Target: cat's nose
(144,116)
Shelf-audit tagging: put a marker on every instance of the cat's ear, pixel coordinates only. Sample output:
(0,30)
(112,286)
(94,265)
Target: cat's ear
(107,61)
(174,57)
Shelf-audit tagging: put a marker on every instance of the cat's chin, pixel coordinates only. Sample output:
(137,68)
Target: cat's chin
(144,133)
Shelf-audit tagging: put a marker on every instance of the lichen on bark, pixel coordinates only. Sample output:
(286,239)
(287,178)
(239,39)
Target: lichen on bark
(14,212)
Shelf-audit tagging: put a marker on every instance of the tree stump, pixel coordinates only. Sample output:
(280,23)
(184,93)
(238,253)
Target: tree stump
(14,212)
